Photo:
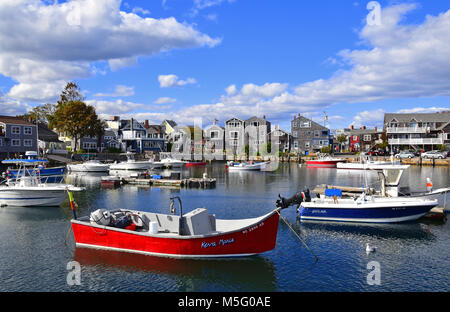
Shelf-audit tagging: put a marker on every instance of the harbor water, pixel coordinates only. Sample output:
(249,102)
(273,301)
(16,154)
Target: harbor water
(37,247)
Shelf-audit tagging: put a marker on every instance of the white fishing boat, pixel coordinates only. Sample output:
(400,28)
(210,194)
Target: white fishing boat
(28,190)
(167,161)
(365,162)
(246,166)
(132,164)
(89,166)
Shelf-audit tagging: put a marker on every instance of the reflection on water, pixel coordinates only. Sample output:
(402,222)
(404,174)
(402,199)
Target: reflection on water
(240,274)
(414,256)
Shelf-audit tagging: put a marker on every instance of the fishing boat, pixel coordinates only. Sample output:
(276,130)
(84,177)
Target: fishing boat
(131,163)
(365,162)
(45,174)
(324,161)
(196,234)
(365,209)
(89,166)
(28,190)
(245,166)
(110,181)
(195,164)
(385,206)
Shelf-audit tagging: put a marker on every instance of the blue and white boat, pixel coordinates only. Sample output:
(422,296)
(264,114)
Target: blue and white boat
(28,190)
(365,209)
(47,175)
(385,207)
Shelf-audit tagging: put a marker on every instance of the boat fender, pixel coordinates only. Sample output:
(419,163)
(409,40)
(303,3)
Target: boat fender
(429,185)
(101,217)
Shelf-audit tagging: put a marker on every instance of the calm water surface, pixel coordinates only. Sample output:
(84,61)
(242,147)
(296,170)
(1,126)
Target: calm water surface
(36,243)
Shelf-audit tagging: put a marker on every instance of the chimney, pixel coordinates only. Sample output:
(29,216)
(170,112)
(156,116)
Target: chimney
(264,117)
(146,124)
(131,124)
(352,127)
(363,127)
(376,129)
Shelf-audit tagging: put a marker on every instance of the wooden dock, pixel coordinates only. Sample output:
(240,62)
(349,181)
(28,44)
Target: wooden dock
(190,182)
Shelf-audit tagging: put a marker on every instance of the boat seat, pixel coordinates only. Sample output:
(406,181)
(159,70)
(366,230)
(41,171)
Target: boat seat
(198,222)
(166,223)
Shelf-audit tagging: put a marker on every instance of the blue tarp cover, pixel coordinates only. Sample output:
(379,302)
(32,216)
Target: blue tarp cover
(333,192)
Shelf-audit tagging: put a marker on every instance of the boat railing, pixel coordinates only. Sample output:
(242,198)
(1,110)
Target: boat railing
(36,177)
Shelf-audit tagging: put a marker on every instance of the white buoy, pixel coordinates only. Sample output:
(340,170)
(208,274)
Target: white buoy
(369,248)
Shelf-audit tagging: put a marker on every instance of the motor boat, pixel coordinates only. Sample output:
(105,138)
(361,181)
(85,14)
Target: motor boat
(365,162)
(89,166)
(28,190)
(196,164)
(132,164)
(168,162)
(324,161)
(386,206)
(366,209)
(45,174)
(245,166)
(196,234)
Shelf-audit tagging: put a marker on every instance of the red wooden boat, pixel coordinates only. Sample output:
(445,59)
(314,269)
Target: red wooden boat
(195,164)
(196,234)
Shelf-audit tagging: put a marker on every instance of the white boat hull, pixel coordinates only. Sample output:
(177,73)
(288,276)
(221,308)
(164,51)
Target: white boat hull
(378,210)
(24,197)
(131,166)
(88,168)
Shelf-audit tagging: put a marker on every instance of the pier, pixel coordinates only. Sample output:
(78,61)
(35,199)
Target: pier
(189,182)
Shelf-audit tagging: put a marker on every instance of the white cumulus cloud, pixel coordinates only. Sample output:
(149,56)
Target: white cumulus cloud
(52,43)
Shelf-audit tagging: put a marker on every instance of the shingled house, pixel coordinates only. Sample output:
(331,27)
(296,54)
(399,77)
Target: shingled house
(417,131)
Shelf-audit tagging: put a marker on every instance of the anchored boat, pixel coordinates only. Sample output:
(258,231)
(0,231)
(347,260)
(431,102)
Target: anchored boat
(196,234)
(385,206)
(324,161)
(89,166)
(246,166)
(45,174)
(28,190)
(131,163)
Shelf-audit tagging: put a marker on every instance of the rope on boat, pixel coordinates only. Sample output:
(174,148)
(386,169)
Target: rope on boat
(298,236)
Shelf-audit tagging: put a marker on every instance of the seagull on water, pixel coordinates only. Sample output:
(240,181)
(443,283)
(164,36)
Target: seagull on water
(369,248)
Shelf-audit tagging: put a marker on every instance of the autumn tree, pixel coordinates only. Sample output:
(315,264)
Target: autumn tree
(74,117)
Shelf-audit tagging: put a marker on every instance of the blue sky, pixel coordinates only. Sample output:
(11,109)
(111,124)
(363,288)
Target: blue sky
(187,59)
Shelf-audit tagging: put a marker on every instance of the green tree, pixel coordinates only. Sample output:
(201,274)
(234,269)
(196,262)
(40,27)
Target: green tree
(74,117)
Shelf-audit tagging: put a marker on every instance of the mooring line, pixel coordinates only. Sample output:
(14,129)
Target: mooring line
(298,236)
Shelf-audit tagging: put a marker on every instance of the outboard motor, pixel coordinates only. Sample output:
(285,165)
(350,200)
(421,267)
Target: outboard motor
(296,199)
(101,217)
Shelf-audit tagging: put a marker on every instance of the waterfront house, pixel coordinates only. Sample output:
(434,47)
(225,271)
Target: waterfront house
(215,139)
(17,136)
(169,126)
(282,140)
(134,138)
(155,141)
(234,136)
(256,134)
(49,142)
(417,131)
(363,139)
(308,135)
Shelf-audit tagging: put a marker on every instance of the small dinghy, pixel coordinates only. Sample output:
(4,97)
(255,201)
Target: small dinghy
(196,234)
